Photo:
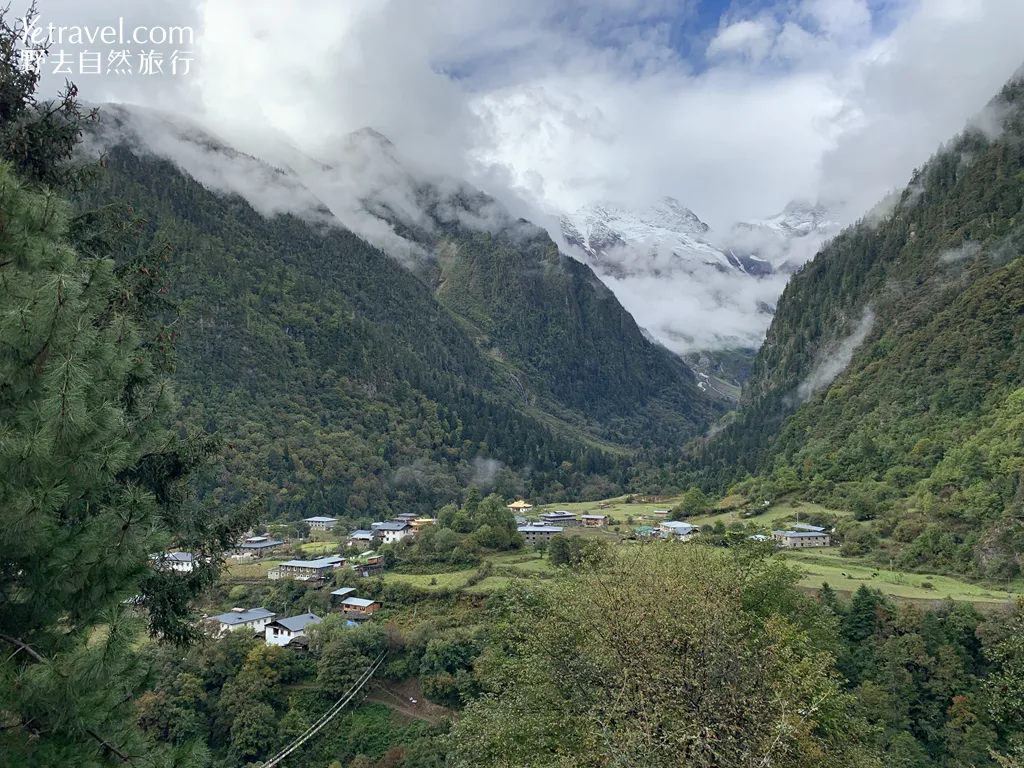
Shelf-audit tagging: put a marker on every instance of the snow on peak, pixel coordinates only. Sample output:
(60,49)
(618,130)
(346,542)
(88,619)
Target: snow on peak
(667,235)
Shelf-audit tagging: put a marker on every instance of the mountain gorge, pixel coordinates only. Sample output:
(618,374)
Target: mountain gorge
(892,377)
(345,378)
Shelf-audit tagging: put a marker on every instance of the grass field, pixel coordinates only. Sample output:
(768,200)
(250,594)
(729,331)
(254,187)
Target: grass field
(846,574)
(785,508)
(320,548)
(252,569)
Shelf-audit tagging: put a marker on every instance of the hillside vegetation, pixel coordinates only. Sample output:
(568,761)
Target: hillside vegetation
(891,382)
(343,384)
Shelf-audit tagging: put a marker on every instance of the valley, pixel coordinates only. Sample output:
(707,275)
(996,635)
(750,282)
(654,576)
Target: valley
(391,450)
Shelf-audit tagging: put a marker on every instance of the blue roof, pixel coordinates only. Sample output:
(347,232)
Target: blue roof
(344,591)
(540,529)
(300,622)
(320,520)
(241,617)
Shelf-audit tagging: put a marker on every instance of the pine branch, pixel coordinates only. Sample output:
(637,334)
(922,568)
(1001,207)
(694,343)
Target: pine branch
(42,660)
(23,647)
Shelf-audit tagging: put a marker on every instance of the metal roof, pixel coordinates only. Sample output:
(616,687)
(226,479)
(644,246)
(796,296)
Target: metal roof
(361,535)
(358,602)
(393,526)
(322,562)
(259,544)
(300,622)
(540,529)
(593,517)
(806,527)
(320,520)
(241,617)
(343,591)
(797,534)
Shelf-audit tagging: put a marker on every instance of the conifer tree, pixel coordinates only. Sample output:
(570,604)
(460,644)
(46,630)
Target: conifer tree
(92,483)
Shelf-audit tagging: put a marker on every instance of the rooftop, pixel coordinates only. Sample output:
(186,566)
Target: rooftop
(343,591)
(320,520)
(593,517)
(361,535)
(175,557)
(540,529)
(260,544)
(300,622)
(520,504)
(806,527)
(392,526)
(322,562)
(241,617)
(796,534)
(678,525)
(358,602)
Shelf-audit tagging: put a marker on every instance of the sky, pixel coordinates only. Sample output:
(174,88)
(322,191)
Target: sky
(734,108)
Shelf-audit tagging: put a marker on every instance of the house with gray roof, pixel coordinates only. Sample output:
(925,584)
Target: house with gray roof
(359,608)
(284,631)
(559,517)
(255,546)
(801,539)
(320,523)
(252,619)
(320,569)
(392,532)
(677,530)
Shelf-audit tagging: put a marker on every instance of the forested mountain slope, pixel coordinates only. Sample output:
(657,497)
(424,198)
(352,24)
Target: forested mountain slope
(344,385)
(892,378)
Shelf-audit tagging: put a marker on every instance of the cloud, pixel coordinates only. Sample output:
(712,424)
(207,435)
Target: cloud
(966,251)
(552,104)
(837,359)
(484,472)
(750,38)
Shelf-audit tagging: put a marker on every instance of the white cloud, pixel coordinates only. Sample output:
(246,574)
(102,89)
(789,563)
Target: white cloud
(551,104)
(748,37)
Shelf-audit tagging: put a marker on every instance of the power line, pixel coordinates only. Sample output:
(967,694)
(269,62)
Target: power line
(329,715)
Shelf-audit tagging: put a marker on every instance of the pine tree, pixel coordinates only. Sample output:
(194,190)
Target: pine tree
(91,481)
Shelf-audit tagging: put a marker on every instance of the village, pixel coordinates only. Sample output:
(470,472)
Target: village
(537,529)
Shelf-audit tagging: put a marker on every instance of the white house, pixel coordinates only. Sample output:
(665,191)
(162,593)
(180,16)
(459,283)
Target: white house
(392,532)
(176,561)
(254,620)
(283,631)
(677,530)
(320,523)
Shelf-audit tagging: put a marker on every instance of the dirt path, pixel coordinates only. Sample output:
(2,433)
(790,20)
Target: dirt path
(397,695)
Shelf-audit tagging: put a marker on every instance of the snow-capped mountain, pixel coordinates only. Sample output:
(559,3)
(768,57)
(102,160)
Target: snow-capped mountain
(665,238)
(691,288)
(787,239)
